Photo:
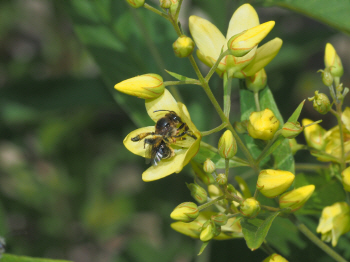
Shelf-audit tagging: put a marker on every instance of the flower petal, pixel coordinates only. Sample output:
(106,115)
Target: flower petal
(137,148)
(243,18)
(164,102)
(264,55)
(165,167)
(207,37)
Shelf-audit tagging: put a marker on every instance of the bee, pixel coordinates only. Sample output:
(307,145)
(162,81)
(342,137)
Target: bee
(168,129)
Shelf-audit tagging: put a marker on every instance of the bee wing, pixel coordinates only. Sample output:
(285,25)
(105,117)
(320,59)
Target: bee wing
(153,154)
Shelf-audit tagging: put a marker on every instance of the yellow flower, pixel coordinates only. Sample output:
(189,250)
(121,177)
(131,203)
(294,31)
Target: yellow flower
(232,229)
(227,146)
(334,222)
(332,61)
(146,86)
(184,150)
(296,198)
(271,182)
(346,178)
(314,134)
(262,125)
(275,258)
(210,42)
(250,207)
(186,212)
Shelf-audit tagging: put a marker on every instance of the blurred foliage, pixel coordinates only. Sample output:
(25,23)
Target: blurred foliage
(69,189)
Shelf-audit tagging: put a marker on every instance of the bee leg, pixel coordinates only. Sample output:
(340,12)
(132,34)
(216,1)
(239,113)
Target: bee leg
(141,136)
(171,153)
(189,133)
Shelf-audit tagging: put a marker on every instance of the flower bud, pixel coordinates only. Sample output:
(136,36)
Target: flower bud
(296,198)
(198,193)
(241,127)
(244,42)
(220,219)
(291,129)
(263,125)
(250,207)
(334,222)
(327,77)
(186,212)
(231,189)
(209,230)
(275,258)
(174,5)
(332,61)
(144,86)
(136,3)
(256,82)
(166,4)
(183,46)
(272,183)
(321,103)
(206,178)
(209,166)
(346,178)
(221,179)
(314,135)
(227,145)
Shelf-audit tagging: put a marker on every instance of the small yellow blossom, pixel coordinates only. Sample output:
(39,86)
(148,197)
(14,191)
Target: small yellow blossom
(334,222)
(332,61)
(183,46)
(184,150)
(314,134)
(296,198)
(146,86)
(272,183)
(263,125)
(185,212)
(346,179)
(275,258)
(250,207)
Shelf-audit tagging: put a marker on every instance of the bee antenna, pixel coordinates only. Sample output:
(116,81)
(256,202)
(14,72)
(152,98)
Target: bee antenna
(161,110)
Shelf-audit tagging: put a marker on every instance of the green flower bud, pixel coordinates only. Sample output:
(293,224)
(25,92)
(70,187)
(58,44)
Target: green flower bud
(231,188)
(275,258)
(209,231)
(321,103)
(314,135)
(227,145)
(291,129)
(332,61)
(174,5)
(166,4)
(146,86)
(250,207)
(263,125)
(209,166)
(272,183)
(136,3)
(241,127)
(198,193)
(183,46)
(296,198)
(327,77)
(256,82)
(221,179)
(220,219)
(185,212)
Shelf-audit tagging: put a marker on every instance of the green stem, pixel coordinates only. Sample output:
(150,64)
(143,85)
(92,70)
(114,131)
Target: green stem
(334,97)
(318,242)
(309,167)
(227,94)
(201,207)
(341,133)
(273,209)
(256,99)
(267,147)
(176,17)
(217,62)
(227,167)
(154,10)
(187,82)
(266,248)
(233,215)
(214,130)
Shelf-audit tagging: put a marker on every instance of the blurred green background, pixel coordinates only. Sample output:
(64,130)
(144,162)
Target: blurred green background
(68,187)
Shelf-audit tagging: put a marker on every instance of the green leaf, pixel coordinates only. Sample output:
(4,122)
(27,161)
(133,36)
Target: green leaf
(204,245)
(332,13)
(13,258)
(255,230)
(282,156)
(180,77)
(294,117)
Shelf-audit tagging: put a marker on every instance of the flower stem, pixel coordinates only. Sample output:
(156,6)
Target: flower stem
(273,209)
(214,130)
(213,68)
(201,207)
(318,242)
(227,167)
(187,82)
(341,133)
(256,99)
(227,94)
(265,152)
(154,10)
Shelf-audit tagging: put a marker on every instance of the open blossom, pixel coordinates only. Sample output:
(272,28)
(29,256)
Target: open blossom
(334,222)
(211,42)
(184,149)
